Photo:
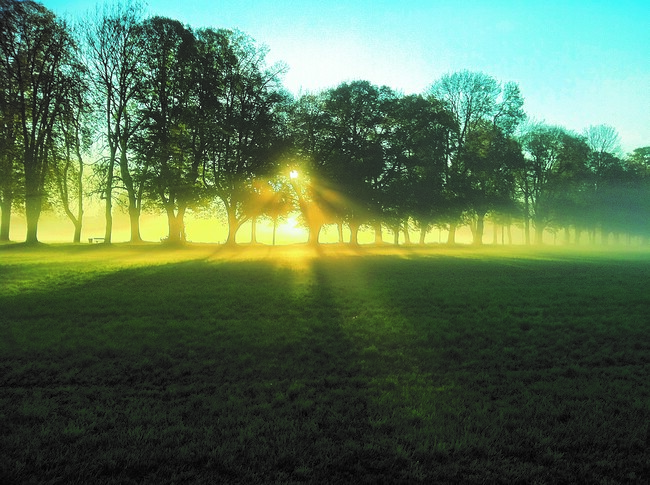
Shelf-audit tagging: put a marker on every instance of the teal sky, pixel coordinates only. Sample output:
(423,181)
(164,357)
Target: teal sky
(578,63)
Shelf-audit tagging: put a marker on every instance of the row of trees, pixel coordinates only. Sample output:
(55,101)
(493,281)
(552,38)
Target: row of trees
(187,119)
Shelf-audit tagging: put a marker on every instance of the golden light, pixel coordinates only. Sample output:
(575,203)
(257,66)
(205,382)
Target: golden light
(292,231)
(293,174)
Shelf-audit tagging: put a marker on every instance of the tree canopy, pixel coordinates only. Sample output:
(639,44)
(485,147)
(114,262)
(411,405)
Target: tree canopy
(173,119)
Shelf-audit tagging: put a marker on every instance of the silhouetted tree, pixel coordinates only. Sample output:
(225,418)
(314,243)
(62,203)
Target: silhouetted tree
(73,138)
(311,147)
(356,130)
(278,204)
(164,142)
(605,181)
(474,98)
(416,162)
(491,159)
(113,54)
(11,181)
(35,50)
(555,165)
(250,104)
(638,209)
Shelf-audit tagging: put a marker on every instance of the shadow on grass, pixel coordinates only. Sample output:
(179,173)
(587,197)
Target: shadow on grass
(331,370)
(544,358)
(189,371)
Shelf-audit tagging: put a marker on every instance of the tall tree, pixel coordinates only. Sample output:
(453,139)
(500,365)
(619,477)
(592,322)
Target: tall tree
(638,195)
(10,144)
(166,99)
(416,161)
(604,183)
(36,49)
(555,164)
(113,53)
(491,159)
(319,204)
(73,136)
(250,104)
(474,98)
(356,132)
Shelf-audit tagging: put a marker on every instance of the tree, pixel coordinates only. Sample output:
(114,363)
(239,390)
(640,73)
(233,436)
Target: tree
(113,54)
(36,49)
(602,139)
(308,158)
(638,194)
(271,199)
(354,161)
(74,135)
(554,167)
(491,159)
(605,180)
(416,161)
(250,105)
(10,144)
(474,98)
(278,205)
(166,99)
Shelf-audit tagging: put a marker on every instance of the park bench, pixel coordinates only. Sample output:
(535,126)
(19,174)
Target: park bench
(93,240)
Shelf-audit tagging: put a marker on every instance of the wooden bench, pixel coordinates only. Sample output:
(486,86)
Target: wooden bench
(92,240)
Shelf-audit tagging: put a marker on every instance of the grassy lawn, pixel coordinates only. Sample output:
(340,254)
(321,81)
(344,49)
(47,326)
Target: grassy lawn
(277,365)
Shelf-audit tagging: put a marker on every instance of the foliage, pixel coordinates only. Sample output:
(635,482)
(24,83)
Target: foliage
(191,119)
(35,51)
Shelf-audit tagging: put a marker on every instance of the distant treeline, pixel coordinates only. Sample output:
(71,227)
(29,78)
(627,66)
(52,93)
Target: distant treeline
(154,115)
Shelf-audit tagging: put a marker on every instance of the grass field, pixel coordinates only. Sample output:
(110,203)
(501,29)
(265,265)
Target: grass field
(279,365)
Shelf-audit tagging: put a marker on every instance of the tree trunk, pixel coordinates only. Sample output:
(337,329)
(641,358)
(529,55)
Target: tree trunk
(134,222)
(134,209)
(480,227)
(253,230)
(175,224)
(423,234)
(77,232)
(354,233)
(379,237)
(80,191)
(451,238)
(5,222)
(314,232)
(32,214)
(108,209)
(407,234)
(339,228)
(232,227)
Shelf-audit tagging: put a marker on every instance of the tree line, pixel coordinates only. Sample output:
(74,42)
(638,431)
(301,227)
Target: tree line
(152,114)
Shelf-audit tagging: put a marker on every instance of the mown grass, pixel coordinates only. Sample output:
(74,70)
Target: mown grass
(199,365)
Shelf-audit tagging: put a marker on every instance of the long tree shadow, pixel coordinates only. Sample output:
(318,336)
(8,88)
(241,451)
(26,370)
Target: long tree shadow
(323,370)
(190,370)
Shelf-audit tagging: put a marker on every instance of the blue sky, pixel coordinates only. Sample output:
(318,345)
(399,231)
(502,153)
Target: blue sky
(578,63)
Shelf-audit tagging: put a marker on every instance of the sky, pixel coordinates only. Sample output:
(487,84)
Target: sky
(577,63)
